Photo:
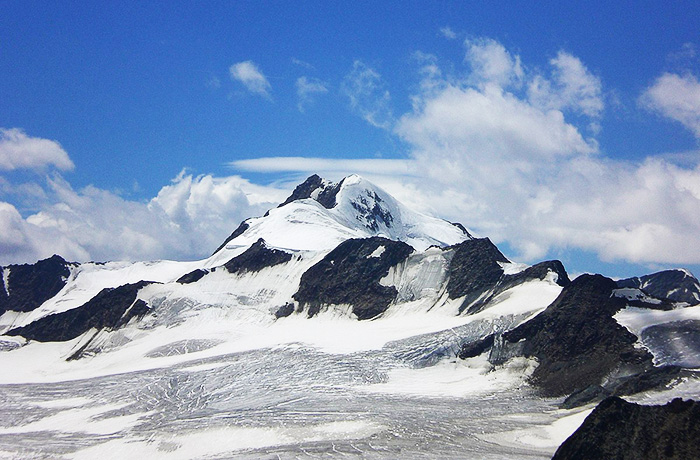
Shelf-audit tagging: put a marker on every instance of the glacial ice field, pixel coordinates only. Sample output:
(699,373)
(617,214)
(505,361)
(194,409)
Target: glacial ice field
(200,380)
(196,382)
(288,401)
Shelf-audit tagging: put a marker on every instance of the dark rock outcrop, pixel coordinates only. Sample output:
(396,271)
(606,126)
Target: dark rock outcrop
(325,192)
(474,268)
(674,285)
(257,257)
(284,311)
(350,274)
(30,285)
(192,277)
(475,272)
(111,308)
(236,233)
(576,339)
(619,430)
(472,349)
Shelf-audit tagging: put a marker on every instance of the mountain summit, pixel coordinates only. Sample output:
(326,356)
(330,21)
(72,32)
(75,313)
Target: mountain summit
(320,214)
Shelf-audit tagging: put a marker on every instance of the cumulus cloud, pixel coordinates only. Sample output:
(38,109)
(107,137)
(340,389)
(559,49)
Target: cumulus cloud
(676,97)
(19,151)
(368,96)
(251,77)
(516,168)
(307,88)
(188,219)
(510,162)
(492,63)
(571,87)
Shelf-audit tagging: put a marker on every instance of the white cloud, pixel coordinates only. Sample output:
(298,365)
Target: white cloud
(251,77)
(188,219)
(306,89)
(487,126)
(676,97)
(491,63)
(368,97)
(303,64)
(515,168)
(571,87)
(327,165)
(19,151)
(448,33)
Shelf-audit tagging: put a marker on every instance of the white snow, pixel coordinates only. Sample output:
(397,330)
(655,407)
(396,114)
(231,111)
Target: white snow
(456,378)
(378,252)
(80,420)
(636,319)
(90,278)
(542,437)
(6,279)
(307,225)
(635,294)
(218,441)
(513,268)
(232,314)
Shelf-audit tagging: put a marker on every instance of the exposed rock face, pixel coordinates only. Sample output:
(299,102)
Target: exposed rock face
(475,271)
(236,233)
(350,274)
(192,277)
(674,285)
(257,257)
(318,189)
(111,308)
(474,268)
(620,430)
(576,339)
(25,287)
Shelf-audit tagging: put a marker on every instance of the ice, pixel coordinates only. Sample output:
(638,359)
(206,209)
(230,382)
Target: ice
(6,279)
(544,437)
(211,373)
(291,401)
(673,337)
(456,378)
(378,252)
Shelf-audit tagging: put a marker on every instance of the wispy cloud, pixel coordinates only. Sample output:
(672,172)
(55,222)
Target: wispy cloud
(251,77)
(321,165)
(448,33)
(571,87)
(676,97)
(303,64)
(19,151)
(213,82)
(368,96)
(307,88)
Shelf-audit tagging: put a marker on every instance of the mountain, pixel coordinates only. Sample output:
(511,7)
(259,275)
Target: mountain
(319,215)
(346,269)
(628,431)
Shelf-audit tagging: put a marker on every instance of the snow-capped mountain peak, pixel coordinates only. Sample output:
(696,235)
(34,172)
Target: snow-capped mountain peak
(320,214)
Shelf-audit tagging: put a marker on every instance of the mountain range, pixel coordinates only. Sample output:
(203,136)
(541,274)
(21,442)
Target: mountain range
(344,267)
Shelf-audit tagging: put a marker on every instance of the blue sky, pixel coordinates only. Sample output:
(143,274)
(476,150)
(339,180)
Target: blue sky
(149,129)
